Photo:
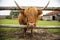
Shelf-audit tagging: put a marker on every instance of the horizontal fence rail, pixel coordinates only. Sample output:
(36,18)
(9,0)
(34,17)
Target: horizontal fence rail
(15,8)
(25,26)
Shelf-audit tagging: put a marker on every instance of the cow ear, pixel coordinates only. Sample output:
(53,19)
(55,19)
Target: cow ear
(39,12)
(22,11)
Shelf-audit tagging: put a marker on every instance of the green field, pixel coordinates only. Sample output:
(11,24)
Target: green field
(8,21)
(43,23)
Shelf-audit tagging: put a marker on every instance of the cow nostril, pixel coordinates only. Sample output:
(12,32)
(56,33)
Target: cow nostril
(31,24)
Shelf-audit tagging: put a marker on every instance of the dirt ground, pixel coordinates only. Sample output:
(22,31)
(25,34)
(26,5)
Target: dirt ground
(38,35)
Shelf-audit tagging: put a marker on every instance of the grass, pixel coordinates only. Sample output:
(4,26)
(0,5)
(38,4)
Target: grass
(54,30)
(8,21)
(44,23)
(47,23)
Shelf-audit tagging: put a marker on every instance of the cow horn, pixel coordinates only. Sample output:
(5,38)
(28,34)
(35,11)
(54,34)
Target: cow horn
(17,4)
(47,4)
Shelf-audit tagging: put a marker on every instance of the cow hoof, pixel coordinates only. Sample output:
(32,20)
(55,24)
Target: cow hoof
(24,36)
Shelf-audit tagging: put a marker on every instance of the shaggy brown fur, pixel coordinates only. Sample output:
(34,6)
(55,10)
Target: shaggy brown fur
(30,14)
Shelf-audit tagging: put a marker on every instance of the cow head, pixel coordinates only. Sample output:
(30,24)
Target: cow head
(31,14)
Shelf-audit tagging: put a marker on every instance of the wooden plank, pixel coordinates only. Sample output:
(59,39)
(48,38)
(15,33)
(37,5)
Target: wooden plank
(24,26)
(15,8)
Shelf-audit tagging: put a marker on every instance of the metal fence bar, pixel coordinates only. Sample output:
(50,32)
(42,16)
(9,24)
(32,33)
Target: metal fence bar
(15,8)
(24,26)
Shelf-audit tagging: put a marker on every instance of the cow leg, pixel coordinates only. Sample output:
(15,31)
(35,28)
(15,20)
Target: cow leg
(32,32)
(25,29)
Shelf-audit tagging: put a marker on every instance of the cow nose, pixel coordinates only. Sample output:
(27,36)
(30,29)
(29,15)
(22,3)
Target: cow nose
(31,24)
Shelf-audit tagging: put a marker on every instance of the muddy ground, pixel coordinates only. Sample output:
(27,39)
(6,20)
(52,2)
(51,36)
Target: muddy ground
(38,35)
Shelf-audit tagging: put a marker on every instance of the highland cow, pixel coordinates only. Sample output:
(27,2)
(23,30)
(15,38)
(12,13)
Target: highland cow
(29,17)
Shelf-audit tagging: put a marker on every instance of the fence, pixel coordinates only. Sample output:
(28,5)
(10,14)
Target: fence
(24,26)
(15,8)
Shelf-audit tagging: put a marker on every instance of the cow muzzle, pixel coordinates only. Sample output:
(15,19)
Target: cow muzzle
(31,25)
